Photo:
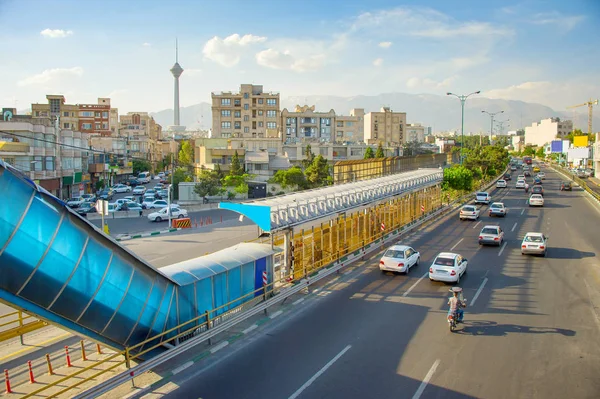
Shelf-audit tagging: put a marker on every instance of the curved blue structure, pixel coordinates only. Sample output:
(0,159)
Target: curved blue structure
(58,266)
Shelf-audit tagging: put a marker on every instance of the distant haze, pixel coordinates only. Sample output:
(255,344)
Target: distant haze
(442,113)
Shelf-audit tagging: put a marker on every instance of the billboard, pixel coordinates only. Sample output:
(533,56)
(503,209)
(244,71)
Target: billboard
(556,146)
(566,146)
(580,141)
(578,153)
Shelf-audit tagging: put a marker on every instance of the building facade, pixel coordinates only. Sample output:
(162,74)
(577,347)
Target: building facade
(415,132)
(250,113)
(56,108)
(305,124)
(94,119)
(539,134)
(386,127)
(350,128)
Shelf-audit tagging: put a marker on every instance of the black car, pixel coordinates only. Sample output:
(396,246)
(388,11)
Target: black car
(106,195)
(566,186)
(537,190)
(507,176)
(83,211)
(527,173)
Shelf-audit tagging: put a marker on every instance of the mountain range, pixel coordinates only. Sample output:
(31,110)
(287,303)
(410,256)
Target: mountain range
(441,113)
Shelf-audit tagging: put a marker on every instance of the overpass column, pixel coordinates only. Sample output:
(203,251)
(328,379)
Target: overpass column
(287,252)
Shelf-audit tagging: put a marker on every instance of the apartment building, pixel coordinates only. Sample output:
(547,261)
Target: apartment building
(350,128)
(142,133)
(250,113)
(415,132)
(543,132)
(386,127)
(95,119)
(306,124)
(56,108)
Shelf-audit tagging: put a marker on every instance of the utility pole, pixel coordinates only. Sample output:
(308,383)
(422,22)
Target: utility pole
(492,114)
(172,188)
(462,99)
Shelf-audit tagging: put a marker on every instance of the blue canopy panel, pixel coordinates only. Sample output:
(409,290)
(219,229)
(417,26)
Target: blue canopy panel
(259,214)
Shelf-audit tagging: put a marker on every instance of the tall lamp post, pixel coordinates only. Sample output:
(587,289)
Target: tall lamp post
(462,99)
(492,114)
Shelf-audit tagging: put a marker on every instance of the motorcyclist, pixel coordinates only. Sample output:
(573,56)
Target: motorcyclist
(456,305)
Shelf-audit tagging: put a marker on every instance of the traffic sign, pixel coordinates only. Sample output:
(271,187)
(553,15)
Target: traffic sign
(422,208)
(382,226)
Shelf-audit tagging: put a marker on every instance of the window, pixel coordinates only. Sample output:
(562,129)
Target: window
(97,114)
(246,129)
(225,125)
(105,114)
(340,124)
(65,125)
(349,124)
(260,112)
(49,163)
(226,135)
(246,107)
(246,95)
(237,103)
(66,113)
(260,100)
(86,114)
(97,126)
(67,163)
(271,125)
(246,118)
(340,134)
(237,114)
(261,124)
(104,126)
(271,114)
(225,112)
(238,125)
(86,126)
(77,163)
(326,121)
(226,101)
(271,101)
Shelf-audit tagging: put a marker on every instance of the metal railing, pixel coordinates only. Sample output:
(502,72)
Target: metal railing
(13,325)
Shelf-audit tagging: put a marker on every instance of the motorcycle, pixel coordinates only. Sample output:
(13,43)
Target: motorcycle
(452,317)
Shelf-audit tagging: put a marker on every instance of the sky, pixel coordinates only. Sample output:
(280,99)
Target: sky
(542,51)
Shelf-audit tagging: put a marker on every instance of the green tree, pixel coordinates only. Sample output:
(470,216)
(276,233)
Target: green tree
(141,165)
(208,184)
(166,162)
(540,153)
(180,175)
(309,157)
(369,153)
(236,168)
(528,151)
(379,153)
(186,154)
(458,177)
(293,177)
(317,174)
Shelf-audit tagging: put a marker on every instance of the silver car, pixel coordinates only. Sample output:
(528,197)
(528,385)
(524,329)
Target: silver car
(491,235)
(534,244)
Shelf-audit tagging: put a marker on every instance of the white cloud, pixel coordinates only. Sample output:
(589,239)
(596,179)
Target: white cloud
(227,51)
(470,29)
(51,75)
(428,83)
(385,44)
(56,33)
(275,59)
(146,44)
(378,62)
(563,22)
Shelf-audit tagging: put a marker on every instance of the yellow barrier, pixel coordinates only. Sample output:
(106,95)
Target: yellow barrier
(183,223)
(16,327)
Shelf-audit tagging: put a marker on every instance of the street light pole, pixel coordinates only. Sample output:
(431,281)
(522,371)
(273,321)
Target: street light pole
(492,114)
(462,99)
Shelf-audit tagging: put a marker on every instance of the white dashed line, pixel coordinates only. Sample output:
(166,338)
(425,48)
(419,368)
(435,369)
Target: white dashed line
(485,280)
(274,315)
(219,347)
(522,211)
(426,380)
(502,249)
(252,327)
(182,367)
(455,245)
(476,224)
(514,227)
(415,284)
(297,301)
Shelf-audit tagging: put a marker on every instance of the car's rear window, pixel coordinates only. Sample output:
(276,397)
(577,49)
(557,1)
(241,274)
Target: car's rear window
(468,209)
(496,206)
(489,231)
(481,194)
(444,261)
(394,253)
(533,239)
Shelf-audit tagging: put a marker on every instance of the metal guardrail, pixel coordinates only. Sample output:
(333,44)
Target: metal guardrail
(16,327)
(567,173)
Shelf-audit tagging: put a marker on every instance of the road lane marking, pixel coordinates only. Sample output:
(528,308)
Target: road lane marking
(252,327)
(522,211)
(297,301)
(502,249)
(476,224)
(426,380)
(485,280)
(455,245)
(274,315)
(182,367)
(37,346)
(219,347)
(314,377)
(415,284)
(514,227)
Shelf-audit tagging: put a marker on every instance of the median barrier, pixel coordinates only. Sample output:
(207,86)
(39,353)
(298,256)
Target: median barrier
(182,223)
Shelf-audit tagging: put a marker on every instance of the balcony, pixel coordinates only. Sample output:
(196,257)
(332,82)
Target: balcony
(18,148)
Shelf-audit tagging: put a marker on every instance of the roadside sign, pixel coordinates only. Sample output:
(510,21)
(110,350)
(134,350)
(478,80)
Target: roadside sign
(382,226)
(102,207)
(422,208)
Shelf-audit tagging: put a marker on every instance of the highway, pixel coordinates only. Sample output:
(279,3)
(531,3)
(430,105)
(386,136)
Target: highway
(531,329)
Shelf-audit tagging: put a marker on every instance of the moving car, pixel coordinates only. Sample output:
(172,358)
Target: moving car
(106,194)
(482,197)
(566,186)
(536,169)
(176,213)
(527,173)
(537,180)
(399,258)
(448,267)
(542,175)
(520,184)
(535,244)
(148,199)
(85,208)
(521,177)
(129,206)
(89,197)
(507,176)
(75,202)
(536,200)
(501,184)
(513,167)
(537,190)
(491,235)
(121,188)
(139,190)
(469,212)
(497,209)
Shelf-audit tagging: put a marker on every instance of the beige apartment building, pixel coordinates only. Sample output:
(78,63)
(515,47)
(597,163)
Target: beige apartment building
(350,128)
(250,113)
(305,124)
(56,107)
(386,127)
(543,132)
(415,132)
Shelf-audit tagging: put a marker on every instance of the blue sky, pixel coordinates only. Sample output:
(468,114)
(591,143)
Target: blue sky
(537,51)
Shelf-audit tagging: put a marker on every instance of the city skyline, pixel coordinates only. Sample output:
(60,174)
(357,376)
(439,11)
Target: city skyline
(511,51)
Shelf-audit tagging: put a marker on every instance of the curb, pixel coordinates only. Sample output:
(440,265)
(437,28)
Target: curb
(154,233)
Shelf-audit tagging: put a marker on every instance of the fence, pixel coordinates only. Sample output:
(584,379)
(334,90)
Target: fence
(15,324)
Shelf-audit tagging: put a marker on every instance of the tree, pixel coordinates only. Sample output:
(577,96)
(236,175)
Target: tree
(528,151)
(293,177)
(236,168)
(317,174)
(186,154)
(166,162)
(141,165)
(379,153)
(540,153)
(458,177)
(309,157)
(208,184)
(369,153)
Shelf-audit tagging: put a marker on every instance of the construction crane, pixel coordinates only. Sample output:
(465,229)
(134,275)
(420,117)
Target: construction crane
(590,104)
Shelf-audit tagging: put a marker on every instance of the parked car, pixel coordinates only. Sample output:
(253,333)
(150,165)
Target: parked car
(130,206)
(448,267)
(157,204)
(75,202)
(469,212)
(491,235)
(566,186)
(139,190)
(399,258)
(176,213)
(122,188)
(498,209)
(535,244)
(536,200)
(85,208)
(482,197)
(89,197)
(501,183)
(106,195)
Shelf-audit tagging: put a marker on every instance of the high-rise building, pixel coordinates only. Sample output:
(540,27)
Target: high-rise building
(176,71)
(251,113)
(351,128)
(543,132)
(386,127)
(304,124)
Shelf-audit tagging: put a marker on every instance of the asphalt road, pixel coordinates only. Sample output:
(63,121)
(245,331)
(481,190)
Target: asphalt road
(531,329)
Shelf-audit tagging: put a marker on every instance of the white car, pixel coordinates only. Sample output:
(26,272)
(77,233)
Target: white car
(520,183)
(158,204)
(139,190)
(75,202)
(469,212)
(491,235)
(521,177)
(399,258)
(536,200)
(448,267)
(482,197)
(498,209)
(542,175)
(501,183)
(534,243)
(148,199)
(176,213)
(121,188)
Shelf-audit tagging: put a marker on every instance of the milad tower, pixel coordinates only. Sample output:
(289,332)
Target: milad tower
(176,71)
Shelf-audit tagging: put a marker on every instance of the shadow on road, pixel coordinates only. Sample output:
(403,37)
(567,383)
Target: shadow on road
(567,253)
(491,328)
